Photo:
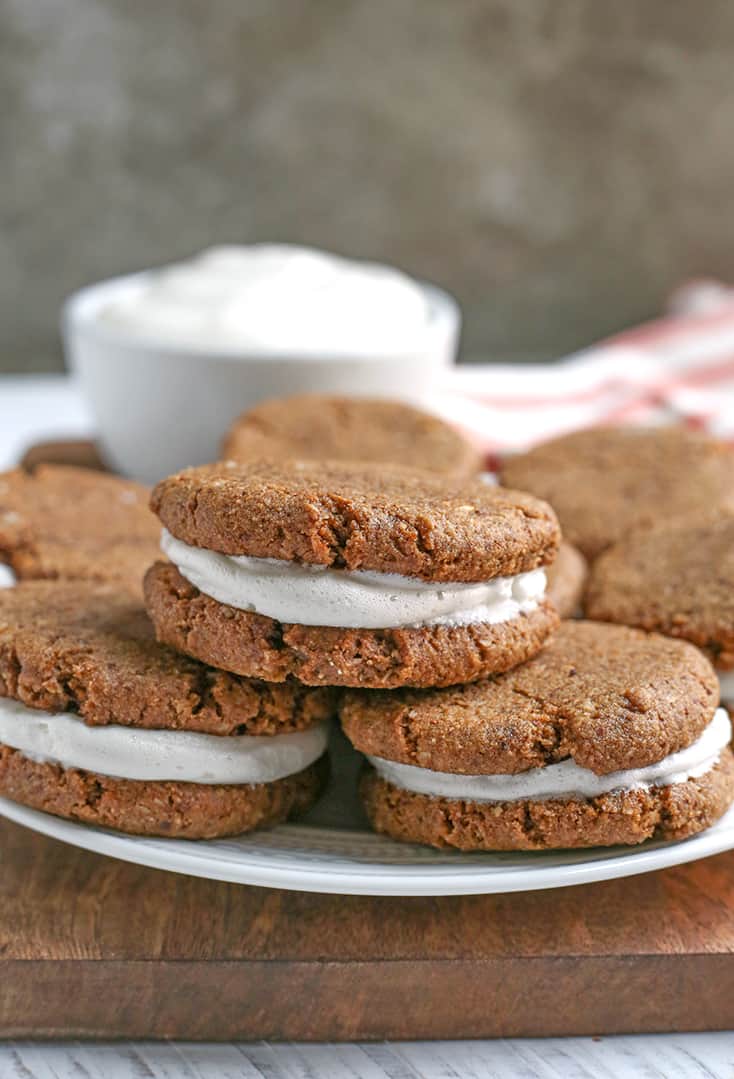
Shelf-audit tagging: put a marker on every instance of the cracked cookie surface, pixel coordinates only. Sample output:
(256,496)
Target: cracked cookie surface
(350,516)
(90,648)
(609,697)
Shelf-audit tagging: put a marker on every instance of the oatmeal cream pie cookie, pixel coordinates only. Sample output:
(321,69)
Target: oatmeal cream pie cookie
(73,523)
(610,735)
(677,578)
(101,724)
(348,575)
(605,481)
(378,431)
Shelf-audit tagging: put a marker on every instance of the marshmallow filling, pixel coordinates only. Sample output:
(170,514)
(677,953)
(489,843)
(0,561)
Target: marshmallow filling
(565,780)
(159,755)
(309,595)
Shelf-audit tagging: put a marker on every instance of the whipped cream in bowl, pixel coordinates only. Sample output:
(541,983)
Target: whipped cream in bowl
(275,298)
(168,357)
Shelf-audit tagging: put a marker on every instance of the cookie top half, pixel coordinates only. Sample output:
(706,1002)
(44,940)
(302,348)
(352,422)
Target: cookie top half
(602,482)
(359,517)
(88,647)
(610,697)
(677,578)
(70,522)
(320,426)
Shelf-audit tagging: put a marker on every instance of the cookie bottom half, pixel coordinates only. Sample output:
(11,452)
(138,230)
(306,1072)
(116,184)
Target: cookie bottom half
(251,644)
(622,817)
(157,808)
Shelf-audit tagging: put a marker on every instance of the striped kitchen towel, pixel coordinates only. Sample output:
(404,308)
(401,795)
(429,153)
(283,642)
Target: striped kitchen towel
(679,368)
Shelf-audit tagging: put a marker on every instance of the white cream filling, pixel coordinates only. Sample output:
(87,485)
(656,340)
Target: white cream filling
(352,599)
(132,753)
(726,685)
(563,780)
(236,296)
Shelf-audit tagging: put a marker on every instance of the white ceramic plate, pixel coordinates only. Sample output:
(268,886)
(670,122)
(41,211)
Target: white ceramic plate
(332,850)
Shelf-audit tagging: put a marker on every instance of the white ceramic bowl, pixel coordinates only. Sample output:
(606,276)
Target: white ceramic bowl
(161,406)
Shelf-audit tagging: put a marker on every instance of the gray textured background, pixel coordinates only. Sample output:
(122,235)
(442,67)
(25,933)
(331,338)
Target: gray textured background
(558,164)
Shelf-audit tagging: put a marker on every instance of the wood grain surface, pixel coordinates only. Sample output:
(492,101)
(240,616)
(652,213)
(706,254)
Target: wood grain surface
(91,947)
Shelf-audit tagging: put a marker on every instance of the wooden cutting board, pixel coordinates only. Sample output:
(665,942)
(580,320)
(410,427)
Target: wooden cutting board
(95,948)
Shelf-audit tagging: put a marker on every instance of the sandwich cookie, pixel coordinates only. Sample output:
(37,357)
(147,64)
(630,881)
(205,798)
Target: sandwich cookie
(73,523)
(348,575)
(677,578)
(318,426)
(603,482)
(609,735)
(101,724)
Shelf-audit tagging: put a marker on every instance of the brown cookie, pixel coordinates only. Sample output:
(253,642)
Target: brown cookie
(244,642)
(87,648)
(320,426)
(677,578)
(565,729)
(567,580)
(390,520)
(604,482)
(609,697)
(90,648)
(74,523)
(74,453)
(171,809)
(621,817)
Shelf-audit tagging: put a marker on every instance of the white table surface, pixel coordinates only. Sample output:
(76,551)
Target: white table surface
(36,408)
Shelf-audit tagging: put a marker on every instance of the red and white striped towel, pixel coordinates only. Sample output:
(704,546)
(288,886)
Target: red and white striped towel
(679,368)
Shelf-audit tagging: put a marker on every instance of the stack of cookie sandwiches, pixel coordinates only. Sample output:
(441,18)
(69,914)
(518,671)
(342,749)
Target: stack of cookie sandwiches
(413,601)
(427,600)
